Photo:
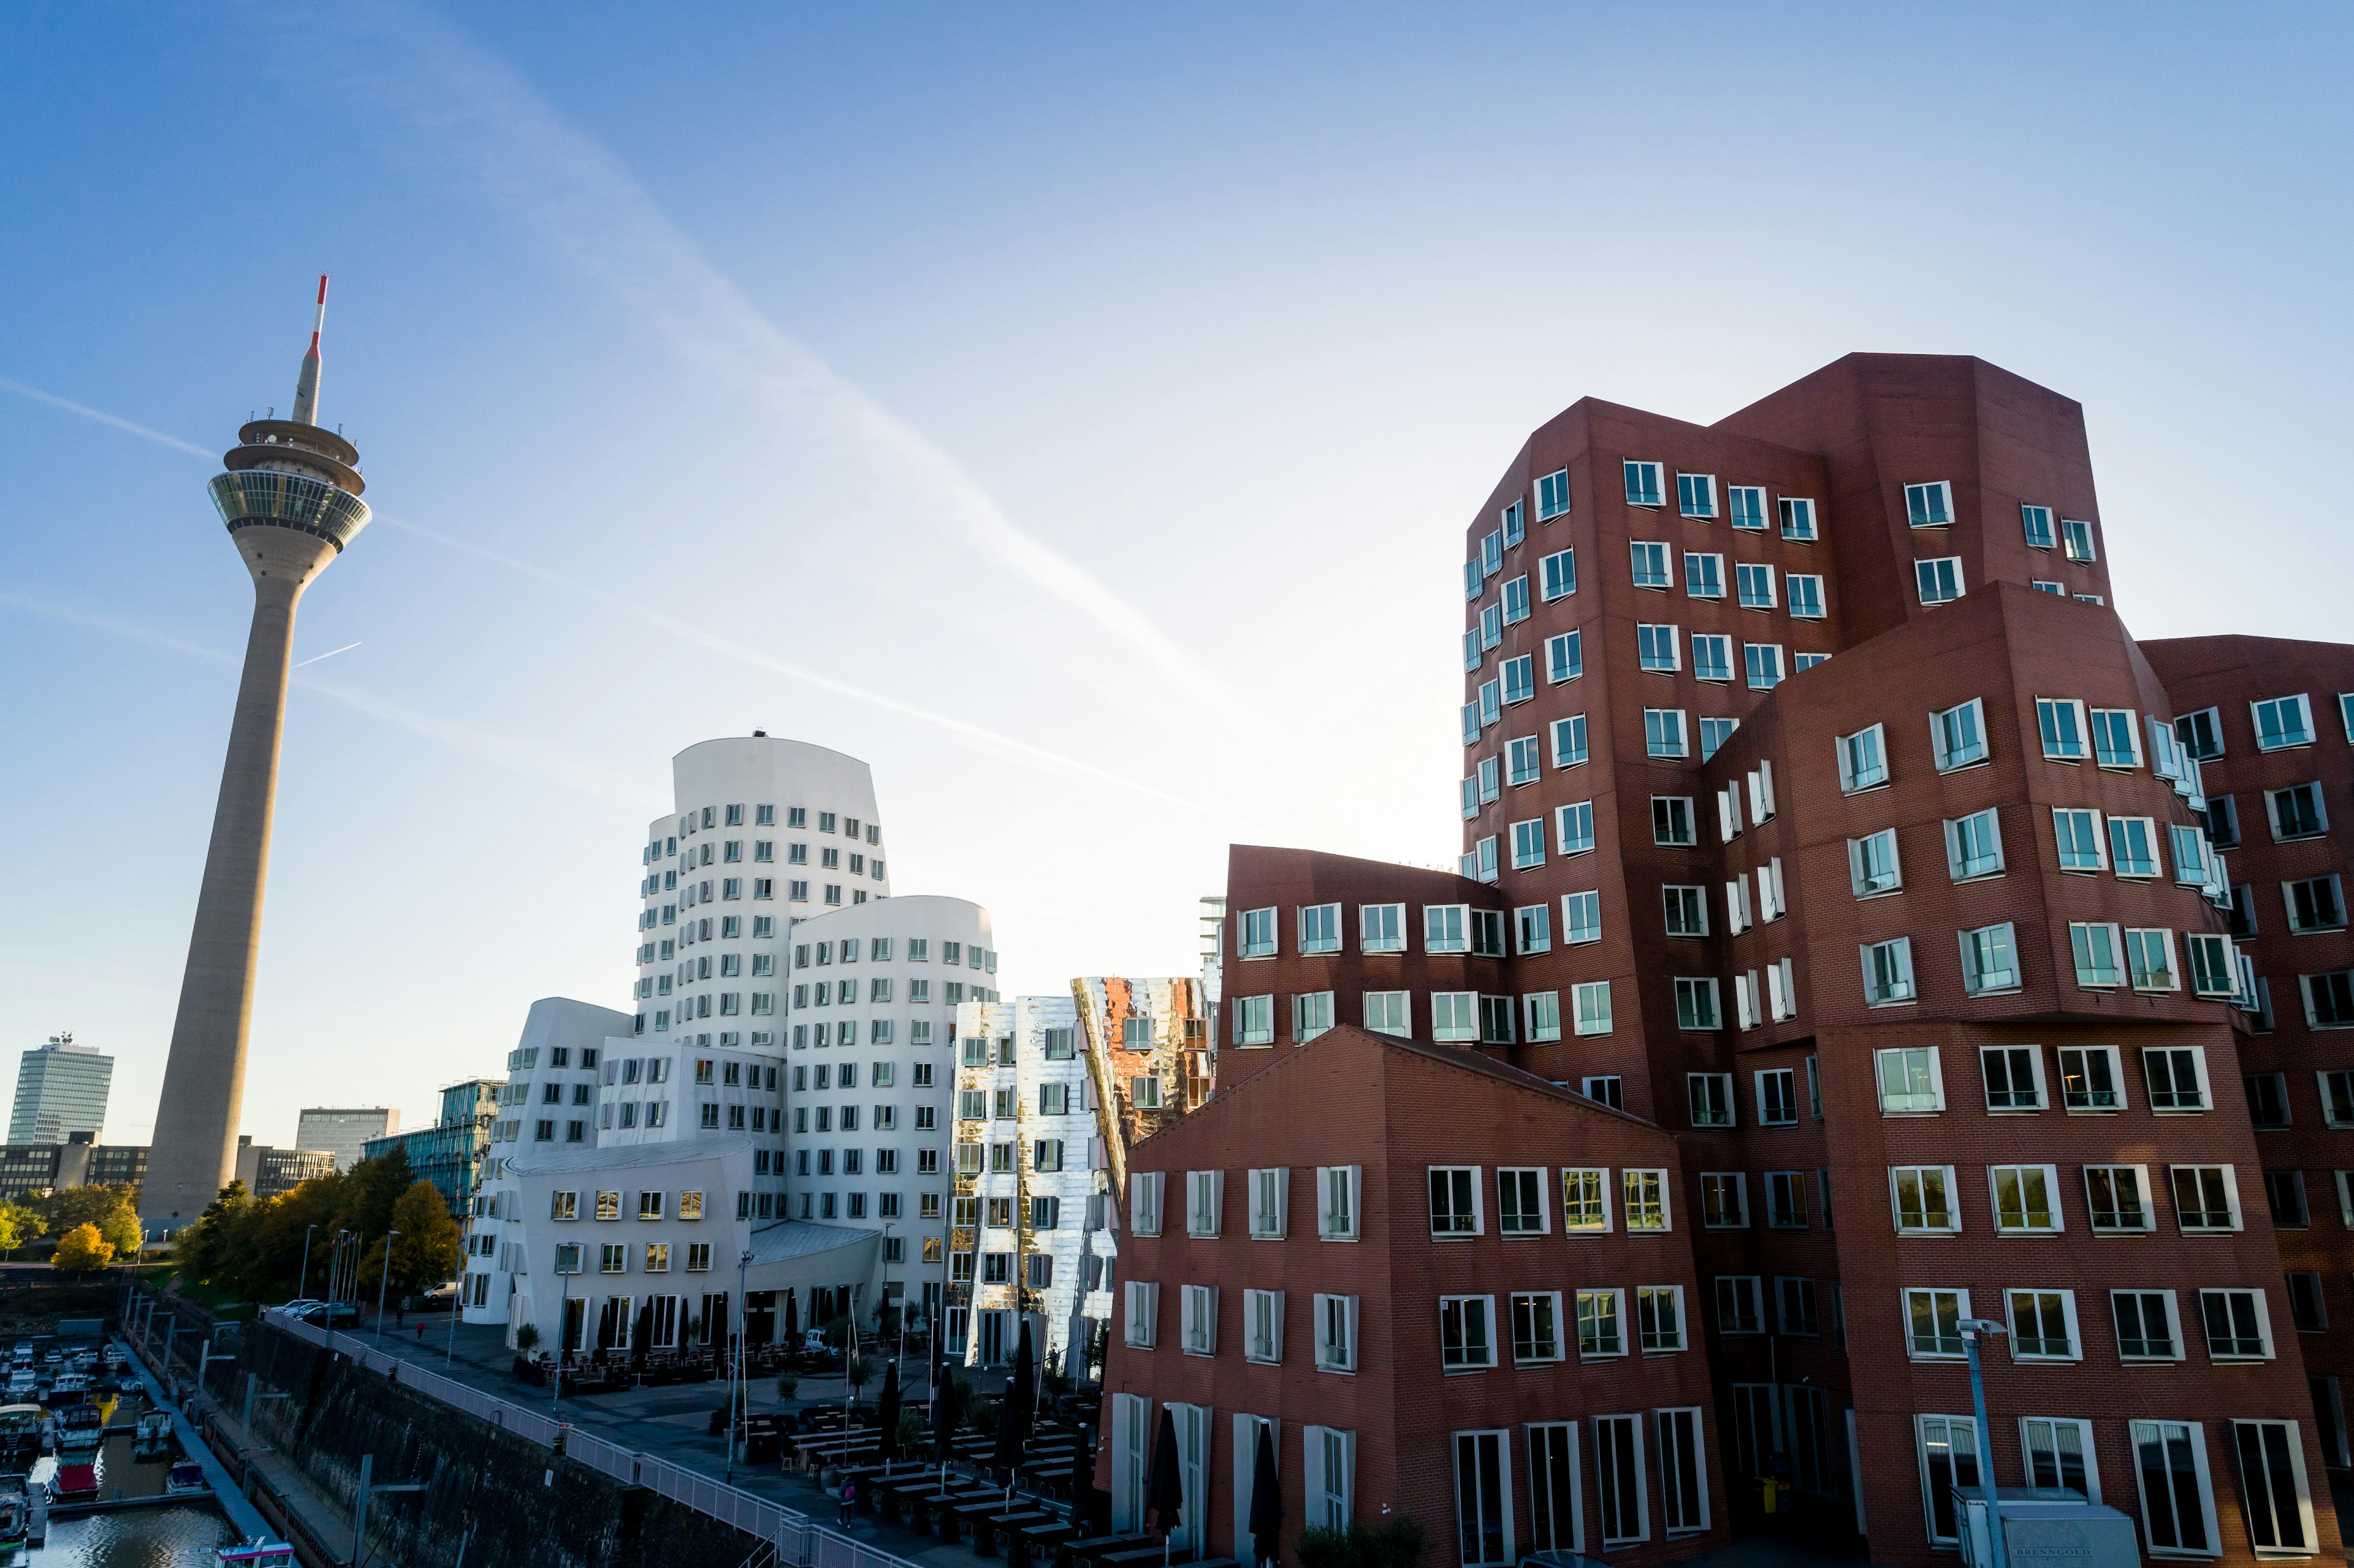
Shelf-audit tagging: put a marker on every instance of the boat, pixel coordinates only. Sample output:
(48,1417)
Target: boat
(261,1553)
(187,1476)
(78,1483)
(80,1426)
(16,1511)
(70,1389)
(116,1357)
(22,1382)
(154,1427)
(20,1428)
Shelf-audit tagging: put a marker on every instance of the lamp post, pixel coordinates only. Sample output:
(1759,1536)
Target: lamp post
(303,1281)
(563,1324)
(384,1280)
(736,1415)
(1973,1329)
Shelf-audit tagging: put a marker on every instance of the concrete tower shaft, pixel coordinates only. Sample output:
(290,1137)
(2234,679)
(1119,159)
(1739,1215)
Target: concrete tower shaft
(291,498)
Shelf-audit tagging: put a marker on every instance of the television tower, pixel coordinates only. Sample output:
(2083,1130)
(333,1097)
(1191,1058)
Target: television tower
(291,501)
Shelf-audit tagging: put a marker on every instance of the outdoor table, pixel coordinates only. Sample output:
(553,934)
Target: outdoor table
(1043,1536)
(997,1526)
(1077,1552)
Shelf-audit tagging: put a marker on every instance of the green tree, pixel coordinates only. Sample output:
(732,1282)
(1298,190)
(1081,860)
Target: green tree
(82,1250)
(73,1206)
(204,1243)
(430,1247)
(122,1231)
(18,1224)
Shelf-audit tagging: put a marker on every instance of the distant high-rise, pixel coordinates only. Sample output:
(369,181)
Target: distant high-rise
(60,1091)
(342,1132)
(291,498)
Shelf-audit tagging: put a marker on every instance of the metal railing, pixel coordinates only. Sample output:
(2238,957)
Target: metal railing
(795,1539)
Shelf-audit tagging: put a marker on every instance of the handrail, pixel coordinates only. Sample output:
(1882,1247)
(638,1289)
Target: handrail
(794,1536)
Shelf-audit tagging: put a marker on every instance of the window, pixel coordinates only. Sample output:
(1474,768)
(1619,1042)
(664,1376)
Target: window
(2177,1076)
(1785,1200)
(1746,506)
(1949,1464)
(1607,1088)
(1778,1097)
(1934,1323)
(2315,905)
(1862,759)
(1957,735)
(2190,857)
(1686,910)
(1388,1013)
(1529,842)
(1940,581)
(2025,1199)
(1650,563)
(1253,1020)
(1989,962)
(2272,1480)
(1763,662)
(1552,495)
(1659,1318)
(1522,766)
(1794,1307)
(2149,960)
(2328,998)
(2095,950)
(2307,1308)
(2038,520)
(1696,1003)
(2089,1078)
(1922,1197)
(2336,1097)
(1585,1201)
(2268,1100)
(2284,1192)
(1557,575)
(1739,1305)
(1696,494)
(1204,1191)
(1533,927)
(1756,585)
(1703,575)
(1198,1314)
(1656,646)
(1642,485)
(1381,927)
(2201,734)
(2177,1501)
(2133,850)
(1591,1001)
(1520,679)
(1663,735)
(1467,1341)
(1144,1195)
(1311,1015)
(1258,933)
(1601,1330)
(1643,1197)
(1888,972)
(2014,1077)
(2045,586)
(1910,1083)
(1714,734)
(2118,1198)
(2116,742)
(1873,867)
(1724,1201)
(2283,722)
(1797,518)
(1711,657)
(1516,599)
(2206,1199)
(2147,1325)
(1454,1201)
(1564,657)
(2059,1454)
(1806,594)
(1536,1326)
(2296,812)
(1569,741)
(1541,1011)
(1671,821)
(2238,1327)
(1929,506)
(1973,846)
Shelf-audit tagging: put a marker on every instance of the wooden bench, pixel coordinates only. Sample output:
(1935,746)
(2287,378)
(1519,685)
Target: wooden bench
(987,1533)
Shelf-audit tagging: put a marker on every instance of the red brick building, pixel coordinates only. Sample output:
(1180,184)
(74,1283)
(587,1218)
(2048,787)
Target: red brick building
(1820,811)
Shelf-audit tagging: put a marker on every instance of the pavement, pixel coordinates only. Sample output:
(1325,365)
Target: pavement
(673,1422)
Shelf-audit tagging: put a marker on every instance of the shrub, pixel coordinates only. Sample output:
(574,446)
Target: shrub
(528,1336)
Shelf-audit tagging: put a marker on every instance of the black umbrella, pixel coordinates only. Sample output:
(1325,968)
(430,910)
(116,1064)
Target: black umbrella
(1267,1503)
(947,1410)
(1013,1407)
(1165,1488)
(1083,1481)
(792,1319)
(886,1415)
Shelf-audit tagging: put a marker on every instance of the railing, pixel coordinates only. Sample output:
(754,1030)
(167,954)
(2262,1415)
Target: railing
(795,1539)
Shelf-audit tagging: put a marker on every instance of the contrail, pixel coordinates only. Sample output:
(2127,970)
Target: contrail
(86,412)
(585,204)
(1020,750)
(328,654)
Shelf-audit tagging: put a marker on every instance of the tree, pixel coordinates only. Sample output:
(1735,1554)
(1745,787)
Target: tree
(121,1230)
(18,1225)
(82,1250)
(73,1206)
(430,1247)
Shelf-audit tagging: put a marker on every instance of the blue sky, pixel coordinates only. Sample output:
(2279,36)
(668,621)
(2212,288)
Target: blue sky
(1074,411)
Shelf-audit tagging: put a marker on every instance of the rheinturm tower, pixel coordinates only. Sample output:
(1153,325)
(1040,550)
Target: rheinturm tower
(291,498)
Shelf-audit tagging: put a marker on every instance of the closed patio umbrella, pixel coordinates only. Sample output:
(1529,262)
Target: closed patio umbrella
(886,1414)
(1164,1488)
(1267,1503)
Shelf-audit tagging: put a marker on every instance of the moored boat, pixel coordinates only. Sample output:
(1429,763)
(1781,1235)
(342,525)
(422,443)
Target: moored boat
(187,1476)
(80,1426)
(77,1483)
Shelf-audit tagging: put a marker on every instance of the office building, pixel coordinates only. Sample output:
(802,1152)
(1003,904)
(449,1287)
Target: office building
(1819,814)
(344,1133)
(60,1091)
(269,1172)
(451,1154)
(291,498)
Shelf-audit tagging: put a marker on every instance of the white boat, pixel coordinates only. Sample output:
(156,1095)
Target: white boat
(154,1427)
(69,1388)
(261,1553)
(22,1382)
(80,1426)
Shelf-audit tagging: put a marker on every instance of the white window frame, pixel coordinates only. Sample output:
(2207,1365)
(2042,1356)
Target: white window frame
(1929,504)
(2051,1197)
(1926,571)
(1933,1097)
(1198,1325)
(2142,1295)
(2140,1433)
(1140,1313)
(1206,1192)
(2075,1350)
(1270,1192)
(1945,1176)
(1333,1311)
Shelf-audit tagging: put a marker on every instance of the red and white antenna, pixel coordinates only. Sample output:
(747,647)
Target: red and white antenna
(306,387)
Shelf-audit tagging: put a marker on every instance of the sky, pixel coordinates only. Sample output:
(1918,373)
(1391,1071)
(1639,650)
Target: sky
(1074,411)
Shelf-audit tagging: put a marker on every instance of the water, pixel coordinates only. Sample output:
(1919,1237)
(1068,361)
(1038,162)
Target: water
(178,1536)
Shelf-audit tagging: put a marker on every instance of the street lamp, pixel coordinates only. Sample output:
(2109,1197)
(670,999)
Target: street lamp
(563,1321)
(737,1412)
(1973,1328)
(303,1281)
(385,1279)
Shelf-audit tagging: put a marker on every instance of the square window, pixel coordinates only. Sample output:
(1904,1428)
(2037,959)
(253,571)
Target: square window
(1651,564)
(1798,519)
(1557,575)
(2038,522)
(1763,664)
(2078,535)
(1989,960)
(1656,647)
(1863,759)
(2026,1198)
(1696,494)
(1940,580)
(1888,972)
(1703,575)
(1664,733)
(1910,1082)
(1711,657)
(1552,495)
(2013,1076)
(1746,506)
(1642,484)
(1929,506)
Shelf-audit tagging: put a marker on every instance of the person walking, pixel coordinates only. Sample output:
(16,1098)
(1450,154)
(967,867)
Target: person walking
(849,1502)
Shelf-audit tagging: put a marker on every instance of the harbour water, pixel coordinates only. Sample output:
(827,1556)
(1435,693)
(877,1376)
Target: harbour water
(163,1536)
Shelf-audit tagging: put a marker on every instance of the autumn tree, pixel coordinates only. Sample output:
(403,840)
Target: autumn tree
(82,1250)
(430,1247)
